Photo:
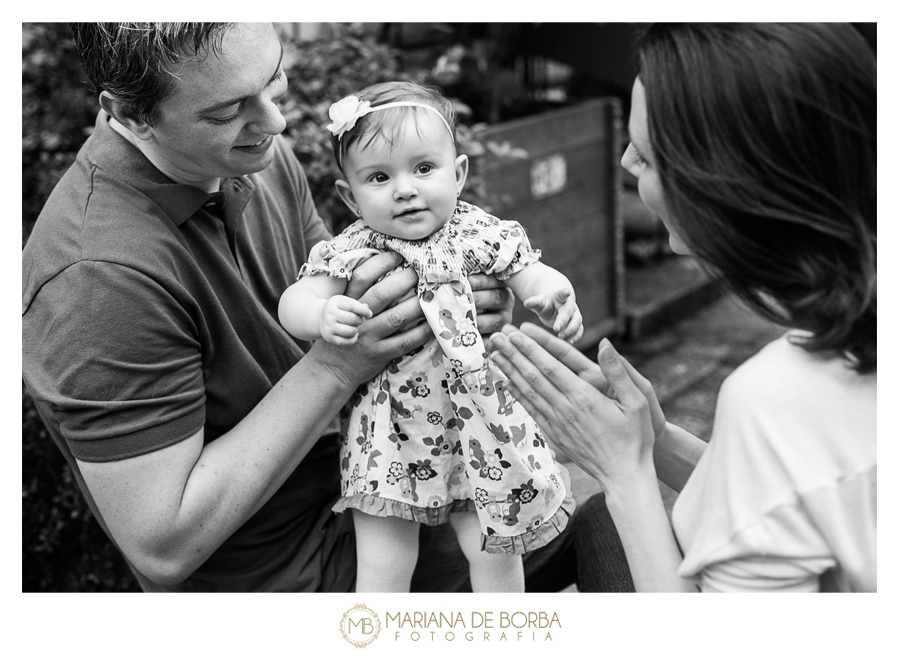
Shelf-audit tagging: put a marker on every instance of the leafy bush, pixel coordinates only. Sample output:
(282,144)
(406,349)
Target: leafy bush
(63,547)
(344,59)
(58,112)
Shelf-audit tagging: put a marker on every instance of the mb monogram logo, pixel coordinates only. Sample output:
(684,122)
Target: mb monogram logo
(360,626)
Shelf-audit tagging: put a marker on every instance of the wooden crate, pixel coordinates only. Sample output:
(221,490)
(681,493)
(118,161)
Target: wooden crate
(566,194)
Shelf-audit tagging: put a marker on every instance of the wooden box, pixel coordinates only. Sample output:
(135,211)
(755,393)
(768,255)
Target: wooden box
(566,193)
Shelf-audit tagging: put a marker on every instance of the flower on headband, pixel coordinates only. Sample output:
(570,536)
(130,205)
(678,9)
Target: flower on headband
(344,114)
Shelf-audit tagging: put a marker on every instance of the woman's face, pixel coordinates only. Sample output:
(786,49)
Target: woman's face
(639,160)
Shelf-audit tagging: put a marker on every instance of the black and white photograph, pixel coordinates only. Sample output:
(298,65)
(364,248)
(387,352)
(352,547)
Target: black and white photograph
(477,327)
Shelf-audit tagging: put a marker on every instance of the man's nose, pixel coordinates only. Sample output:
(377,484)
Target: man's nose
(268,119)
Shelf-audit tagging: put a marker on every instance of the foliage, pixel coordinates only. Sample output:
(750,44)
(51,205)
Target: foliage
(344,59)
(58,111)
(63,547)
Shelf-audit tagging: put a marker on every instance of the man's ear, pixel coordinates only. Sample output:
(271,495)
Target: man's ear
(346,194)
(462,172)
(121,112)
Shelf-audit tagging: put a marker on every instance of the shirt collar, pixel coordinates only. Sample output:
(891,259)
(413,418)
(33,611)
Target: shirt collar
(112,152)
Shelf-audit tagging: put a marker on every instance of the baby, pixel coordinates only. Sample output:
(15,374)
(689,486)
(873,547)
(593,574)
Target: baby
(435,438)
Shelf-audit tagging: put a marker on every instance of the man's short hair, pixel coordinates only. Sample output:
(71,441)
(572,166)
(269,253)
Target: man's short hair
(132,61)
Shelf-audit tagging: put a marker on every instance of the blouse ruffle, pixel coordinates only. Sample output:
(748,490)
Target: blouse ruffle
(471,241)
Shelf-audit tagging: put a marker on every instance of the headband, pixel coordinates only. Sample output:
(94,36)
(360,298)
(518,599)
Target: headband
(345,112)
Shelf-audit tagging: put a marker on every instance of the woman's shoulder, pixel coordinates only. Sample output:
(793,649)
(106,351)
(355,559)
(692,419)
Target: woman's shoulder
(799,409)
(782,372)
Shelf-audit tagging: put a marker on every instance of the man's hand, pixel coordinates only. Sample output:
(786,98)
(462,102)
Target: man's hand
(493,301)
(559,311)
(390,332)
(340,319)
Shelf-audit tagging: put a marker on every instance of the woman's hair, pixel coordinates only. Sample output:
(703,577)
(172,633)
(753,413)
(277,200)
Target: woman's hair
(764,139)
(132,60)
(387,124)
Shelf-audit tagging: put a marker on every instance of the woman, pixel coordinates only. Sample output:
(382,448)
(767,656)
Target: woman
(756,145)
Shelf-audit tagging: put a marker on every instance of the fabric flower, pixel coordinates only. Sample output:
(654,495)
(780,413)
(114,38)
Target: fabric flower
(345,113)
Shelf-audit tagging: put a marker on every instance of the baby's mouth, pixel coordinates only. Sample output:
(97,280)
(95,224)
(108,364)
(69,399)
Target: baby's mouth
(409,211)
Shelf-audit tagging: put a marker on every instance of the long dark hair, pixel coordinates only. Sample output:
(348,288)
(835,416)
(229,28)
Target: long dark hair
(765,142)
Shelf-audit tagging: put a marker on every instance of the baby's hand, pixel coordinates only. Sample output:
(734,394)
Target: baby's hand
(340,318)
(559,311)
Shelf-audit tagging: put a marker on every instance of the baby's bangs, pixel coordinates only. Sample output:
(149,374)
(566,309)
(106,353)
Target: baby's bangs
(387,125)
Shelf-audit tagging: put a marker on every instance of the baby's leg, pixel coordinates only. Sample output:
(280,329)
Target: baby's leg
(489,572)
(386,552)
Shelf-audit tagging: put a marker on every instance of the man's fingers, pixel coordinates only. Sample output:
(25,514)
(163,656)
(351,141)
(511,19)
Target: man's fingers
(370,270)
(389,290)
(403,342)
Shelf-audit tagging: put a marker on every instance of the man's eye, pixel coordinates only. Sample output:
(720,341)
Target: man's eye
(227,118)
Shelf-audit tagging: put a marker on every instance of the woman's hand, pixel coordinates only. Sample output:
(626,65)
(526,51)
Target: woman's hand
(391,332)
(493,301)
(611,433)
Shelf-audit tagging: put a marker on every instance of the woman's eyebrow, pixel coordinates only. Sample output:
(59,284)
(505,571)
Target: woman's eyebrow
(235,101)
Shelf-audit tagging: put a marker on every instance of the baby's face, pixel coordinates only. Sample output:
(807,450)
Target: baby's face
(407,189)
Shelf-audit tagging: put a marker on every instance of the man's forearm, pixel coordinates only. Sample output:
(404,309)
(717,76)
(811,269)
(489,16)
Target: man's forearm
(170,510)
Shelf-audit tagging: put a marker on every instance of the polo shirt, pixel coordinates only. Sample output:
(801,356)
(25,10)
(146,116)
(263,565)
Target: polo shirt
(149,311)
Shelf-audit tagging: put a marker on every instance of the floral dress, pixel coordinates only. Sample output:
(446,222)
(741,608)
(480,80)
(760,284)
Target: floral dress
(437,432)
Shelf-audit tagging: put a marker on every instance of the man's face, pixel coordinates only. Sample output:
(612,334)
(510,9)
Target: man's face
(222,117)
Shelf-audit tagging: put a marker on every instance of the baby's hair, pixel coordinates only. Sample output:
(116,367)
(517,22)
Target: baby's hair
(387,124)
(764,138)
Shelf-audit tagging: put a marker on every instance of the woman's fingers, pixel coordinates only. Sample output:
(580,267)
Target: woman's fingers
(566,354)
(620,382)
(537,375)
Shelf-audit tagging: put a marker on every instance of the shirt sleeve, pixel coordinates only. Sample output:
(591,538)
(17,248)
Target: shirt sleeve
(121,367)
(740,521)
(513,250)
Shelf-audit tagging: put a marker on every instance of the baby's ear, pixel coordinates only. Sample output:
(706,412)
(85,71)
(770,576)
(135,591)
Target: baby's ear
(346,194)
(462,171)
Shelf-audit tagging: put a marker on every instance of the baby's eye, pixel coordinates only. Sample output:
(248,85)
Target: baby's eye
(378,178)
(424,168)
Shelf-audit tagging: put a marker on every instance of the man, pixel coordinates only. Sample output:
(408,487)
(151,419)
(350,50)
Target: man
(150,337)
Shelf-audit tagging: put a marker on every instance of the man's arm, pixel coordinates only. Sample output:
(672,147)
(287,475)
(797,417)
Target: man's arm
(170,509)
